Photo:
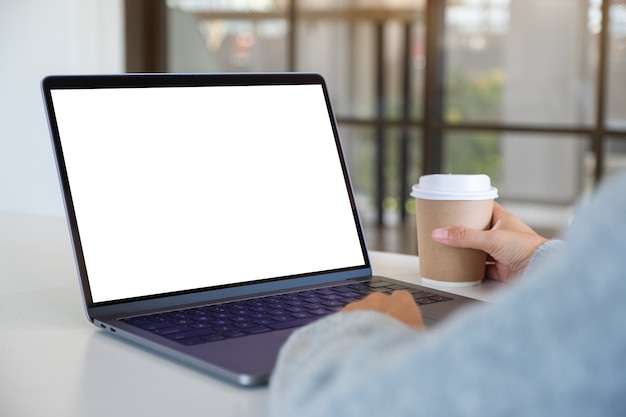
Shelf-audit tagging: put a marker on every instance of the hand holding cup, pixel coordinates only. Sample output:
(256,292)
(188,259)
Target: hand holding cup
(452,200)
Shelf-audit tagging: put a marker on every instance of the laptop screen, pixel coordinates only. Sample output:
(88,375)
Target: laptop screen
(179,188)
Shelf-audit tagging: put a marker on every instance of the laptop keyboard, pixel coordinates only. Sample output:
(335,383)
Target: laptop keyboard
(217,322)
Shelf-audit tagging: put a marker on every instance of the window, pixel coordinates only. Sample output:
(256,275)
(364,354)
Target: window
(466,86)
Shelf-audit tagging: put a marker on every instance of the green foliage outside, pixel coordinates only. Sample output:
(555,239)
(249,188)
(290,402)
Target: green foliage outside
(473,97)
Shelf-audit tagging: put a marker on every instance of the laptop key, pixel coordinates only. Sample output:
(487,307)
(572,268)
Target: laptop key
(276,312)
(212,338)
(233,333)
(220,322)
(223,328)
(259,315)
(138,321)
(246,325)
(240,319)
(440,298)
(191,341)
(200,326)
(307,294)
(263,322)
(320,312)
(190,334)
(182,322)
(396,287)
(157,318)
(170,330)
(333,303)
(301,315)
(154,326)
(239,312)
(331,297)
(292,323)
(310,307)
(220,315)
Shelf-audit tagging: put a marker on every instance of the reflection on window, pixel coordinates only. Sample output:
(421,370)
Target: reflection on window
(226,36)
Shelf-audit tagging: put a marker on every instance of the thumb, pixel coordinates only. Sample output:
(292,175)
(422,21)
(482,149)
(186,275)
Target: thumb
(461,237)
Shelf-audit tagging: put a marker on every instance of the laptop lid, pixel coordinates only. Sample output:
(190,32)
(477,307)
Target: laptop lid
(183,188)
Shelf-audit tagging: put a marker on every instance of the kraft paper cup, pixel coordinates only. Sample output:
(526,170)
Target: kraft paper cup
(452,200)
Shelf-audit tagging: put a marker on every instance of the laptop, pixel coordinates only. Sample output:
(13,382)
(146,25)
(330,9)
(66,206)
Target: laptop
(211,215)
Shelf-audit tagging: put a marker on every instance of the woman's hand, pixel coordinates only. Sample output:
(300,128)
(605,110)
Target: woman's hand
(510,243)
(399,305)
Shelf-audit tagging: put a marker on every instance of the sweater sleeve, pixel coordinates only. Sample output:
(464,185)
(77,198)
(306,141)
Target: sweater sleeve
(552,345)
(314,361)
(543,253)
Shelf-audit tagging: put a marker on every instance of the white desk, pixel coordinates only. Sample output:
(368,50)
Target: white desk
(53,362)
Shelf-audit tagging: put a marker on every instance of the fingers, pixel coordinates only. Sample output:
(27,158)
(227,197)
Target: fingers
(375,301)
(406,310)
(399,305)
(498,212)
(461,237)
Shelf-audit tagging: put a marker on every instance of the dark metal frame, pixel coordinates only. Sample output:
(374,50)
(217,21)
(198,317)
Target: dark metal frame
(144,24)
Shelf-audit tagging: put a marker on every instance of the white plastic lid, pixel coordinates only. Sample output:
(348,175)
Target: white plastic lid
(454,187)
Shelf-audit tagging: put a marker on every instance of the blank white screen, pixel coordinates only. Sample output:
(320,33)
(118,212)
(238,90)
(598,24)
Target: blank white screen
(180,188)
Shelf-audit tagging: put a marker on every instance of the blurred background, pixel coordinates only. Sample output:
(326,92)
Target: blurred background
(530,92)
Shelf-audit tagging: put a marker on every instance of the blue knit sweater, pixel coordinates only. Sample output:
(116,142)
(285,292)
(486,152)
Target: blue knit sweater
(554,344)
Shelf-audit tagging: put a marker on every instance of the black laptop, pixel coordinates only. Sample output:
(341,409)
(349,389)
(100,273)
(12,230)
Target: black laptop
(211,215)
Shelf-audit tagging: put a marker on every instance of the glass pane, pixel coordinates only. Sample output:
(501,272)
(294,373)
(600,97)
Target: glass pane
(544,168)
(226,36)
(519,61)
(342,42)
(360,145)
(616,97)
(336,39)
(473,153)
(360,148)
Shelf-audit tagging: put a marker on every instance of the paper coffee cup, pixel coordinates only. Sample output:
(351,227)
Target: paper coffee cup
(452,200)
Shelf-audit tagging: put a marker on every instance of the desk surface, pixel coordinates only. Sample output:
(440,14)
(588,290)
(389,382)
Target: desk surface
(53,362)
